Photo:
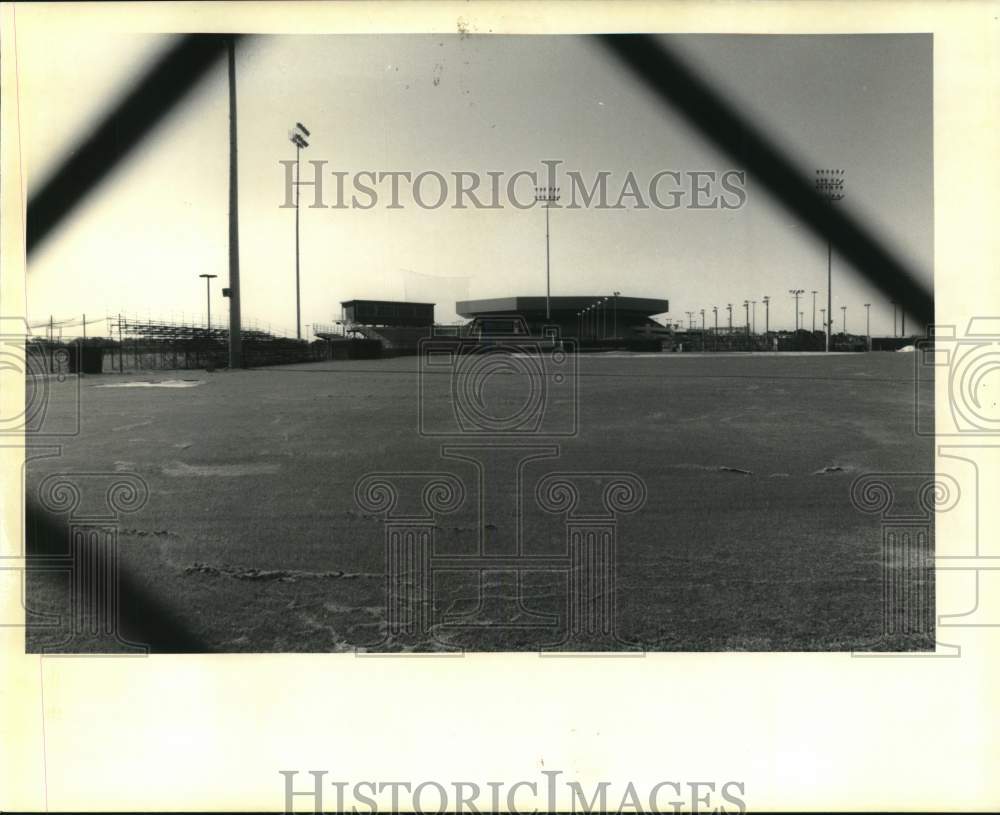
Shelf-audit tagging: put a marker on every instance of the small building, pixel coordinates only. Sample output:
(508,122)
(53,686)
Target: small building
(393,313)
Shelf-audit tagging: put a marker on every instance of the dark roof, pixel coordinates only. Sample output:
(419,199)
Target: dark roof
(385,302)
(571,304)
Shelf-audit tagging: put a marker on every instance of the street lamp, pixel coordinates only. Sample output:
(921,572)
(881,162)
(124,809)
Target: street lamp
(208,296)
(830,185)
(715,311)
(894,319)
(615,312)
(796,293)
(868,324)
(746,307)
(822,312)
(729,308)
(754,323)
(767,314)
(844,309)
(814,310)
(297,136)
(547,196)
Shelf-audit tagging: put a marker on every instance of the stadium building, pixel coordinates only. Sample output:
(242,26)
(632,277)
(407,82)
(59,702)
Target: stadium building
(589,319)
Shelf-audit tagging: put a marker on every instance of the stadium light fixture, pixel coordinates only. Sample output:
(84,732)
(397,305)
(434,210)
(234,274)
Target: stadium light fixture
(547,196)
(844,309)
(796,293)
(208,296)
(830,185)
(746,308)
(767,314)
(297,136)
(814,310)
(729,308)
(615,312)
(868,325)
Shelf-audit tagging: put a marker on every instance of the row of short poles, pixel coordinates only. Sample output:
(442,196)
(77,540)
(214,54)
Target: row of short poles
(594,321)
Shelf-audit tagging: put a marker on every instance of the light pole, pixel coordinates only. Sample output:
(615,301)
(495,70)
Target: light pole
(814,310)
(830,185)
(746,308)
(844,309)
(767,314)
(690,316)
(297,136)
(233,290)
(729,308)
(796,293)
(715,312)
(754,322)
(208,296)
(894,319)
(615,304)
(868,325)
(822,312)
(547,196)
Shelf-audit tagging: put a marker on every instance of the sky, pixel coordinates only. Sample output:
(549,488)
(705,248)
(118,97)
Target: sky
(472,103)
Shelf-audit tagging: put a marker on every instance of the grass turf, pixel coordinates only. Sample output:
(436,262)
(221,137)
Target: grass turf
(747,540)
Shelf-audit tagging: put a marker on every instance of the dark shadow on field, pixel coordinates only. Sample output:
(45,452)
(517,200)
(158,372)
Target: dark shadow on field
(70,619)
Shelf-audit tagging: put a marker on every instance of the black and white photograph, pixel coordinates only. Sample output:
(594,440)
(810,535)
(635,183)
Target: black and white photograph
(639,359)
(450,342)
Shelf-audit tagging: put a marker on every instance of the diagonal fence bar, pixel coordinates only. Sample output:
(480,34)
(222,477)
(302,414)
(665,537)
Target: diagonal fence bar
(704,107)
(141,110)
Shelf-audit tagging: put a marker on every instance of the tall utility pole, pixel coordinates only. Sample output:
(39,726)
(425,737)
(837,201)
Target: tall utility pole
(235,337)
(715,311)
(814,310)
(753,324)
(894,319)
(690,316)
(844,310)
(547,196)
(830,185)
(822,312)
(208,295)
(868,324)
(796,293)
(297,136)
(729,308)
(767,314)
(615,303)
(746,307)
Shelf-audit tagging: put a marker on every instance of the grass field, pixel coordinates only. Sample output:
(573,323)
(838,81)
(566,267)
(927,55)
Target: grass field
(747,540)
